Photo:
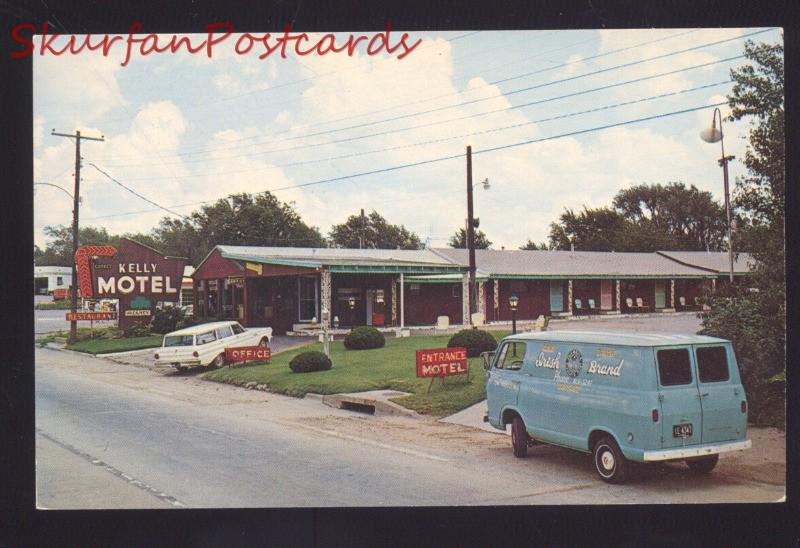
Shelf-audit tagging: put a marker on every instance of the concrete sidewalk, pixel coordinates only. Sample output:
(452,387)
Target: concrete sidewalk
(473,417)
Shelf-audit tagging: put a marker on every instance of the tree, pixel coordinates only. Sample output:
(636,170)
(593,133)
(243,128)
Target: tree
(532,246)
(58,251)
(372,232)
(459,239)
(754,317)
(645,218)
(239,219)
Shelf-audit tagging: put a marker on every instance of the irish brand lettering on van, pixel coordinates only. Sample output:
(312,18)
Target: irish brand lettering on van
(441,362)
(605,368)
(550,362)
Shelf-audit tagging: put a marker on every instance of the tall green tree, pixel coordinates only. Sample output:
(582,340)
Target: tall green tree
(754,317)
(530,245)
(373,232)
(459,239)
(645,217)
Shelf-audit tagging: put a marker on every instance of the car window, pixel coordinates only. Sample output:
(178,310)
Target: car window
(224,331)
(674,367)
(207,337)
(179,340)
(511,355)
(237,329)
(712,364)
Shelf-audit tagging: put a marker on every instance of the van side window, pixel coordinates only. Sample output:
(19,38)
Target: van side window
(206,337)
(674,367)
(511,355)
(712,364)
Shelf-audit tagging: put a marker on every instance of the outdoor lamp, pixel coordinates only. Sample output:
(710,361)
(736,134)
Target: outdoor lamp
(351,302)
(336,322)
(714,135)
(513,301)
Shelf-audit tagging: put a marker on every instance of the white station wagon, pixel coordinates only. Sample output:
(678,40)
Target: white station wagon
(205,344)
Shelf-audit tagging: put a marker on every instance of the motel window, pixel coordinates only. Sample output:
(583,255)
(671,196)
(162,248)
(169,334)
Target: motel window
(59,280)
(456,290)
(674,367)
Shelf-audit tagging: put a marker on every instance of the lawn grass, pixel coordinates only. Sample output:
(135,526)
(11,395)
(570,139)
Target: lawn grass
(106,346)
(391,367)
(53,305)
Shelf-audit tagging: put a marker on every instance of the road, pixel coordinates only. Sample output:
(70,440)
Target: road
(48,321)
(111,435)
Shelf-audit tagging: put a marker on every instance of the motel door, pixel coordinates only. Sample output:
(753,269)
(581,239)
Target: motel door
(605,294)
(376,307)
(556,296)
(660,294)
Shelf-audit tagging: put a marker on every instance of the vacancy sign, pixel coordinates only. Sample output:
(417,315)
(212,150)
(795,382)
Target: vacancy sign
(442,362)
(247,353)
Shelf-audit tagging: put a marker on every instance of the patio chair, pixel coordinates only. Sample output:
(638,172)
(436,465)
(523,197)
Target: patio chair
(682,301)
(592,305)
(629,303)
(578,305)
(641,304)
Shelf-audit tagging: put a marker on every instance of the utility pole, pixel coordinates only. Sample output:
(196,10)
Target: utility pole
(470,237)
(73,325)
(361,238)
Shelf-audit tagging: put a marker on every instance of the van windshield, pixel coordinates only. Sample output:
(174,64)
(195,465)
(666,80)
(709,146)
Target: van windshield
(179,340)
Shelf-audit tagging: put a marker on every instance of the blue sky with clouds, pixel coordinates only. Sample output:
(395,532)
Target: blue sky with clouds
(183,129)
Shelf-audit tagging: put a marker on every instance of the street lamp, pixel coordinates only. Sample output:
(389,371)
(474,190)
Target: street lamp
(513,301)
(712,135)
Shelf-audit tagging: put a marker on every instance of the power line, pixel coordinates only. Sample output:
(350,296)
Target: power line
(455,156)
(450,138)
(505,94)
(449,120)
(129,189)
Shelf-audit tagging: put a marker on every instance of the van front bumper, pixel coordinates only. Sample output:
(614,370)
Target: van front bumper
(696,451)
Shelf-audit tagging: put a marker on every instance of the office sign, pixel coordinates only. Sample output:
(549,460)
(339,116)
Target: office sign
(442,362)
(247,353)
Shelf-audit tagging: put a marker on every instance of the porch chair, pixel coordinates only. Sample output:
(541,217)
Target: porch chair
(592,305)
(682,301)
(629,303)
(578,305)
(641,304)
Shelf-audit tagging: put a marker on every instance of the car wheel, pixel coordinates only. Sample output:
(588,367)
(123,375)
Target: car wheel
(264,342)
(219,361)
(609,461)
(702,465)
(519,437)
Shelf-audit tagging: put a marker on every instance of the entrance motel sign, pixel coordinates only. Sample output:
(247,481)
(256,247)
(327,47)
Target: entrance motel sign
(137,275)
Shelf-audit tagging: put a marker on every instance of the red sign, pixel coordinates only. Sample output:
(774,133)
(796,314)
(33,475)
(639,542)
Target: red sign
(442,362)
(245,353)
(91,316)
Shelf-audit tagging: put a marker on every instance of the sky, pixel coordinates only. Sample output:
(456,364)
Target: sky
(183,130)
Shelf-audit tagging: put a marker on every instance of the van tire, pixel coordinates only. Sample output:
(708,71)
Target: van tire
(610,463)
(519,437)
(702,465)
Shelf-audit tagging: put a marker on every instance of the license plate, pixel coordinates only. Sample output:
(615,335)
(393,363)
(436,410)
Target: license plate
(682,430)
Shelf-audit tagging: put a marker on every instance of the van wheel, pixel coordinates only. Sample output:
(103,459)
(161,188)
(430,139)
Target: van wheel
(702,465)
(519,437)
(609,461)
(219,361)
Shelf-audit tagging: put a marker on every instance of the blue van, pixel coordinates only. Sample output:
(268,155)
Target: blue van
(622,397)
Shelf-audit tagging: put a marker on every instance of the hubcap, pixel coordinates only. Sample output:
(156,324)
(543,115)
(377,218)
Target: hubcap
(608,460)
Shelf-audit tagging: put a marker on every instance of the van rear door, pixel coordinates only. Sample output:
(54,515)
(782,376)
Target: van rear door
(720,393)
(681,414)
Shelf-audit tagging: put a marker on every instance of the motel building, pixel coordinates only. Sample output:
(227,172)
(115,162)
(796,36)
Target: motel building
(286,288)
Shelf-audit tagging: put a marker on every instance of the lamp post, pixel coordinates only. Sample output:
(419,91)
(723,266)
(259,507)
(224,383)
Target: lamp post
(712,135)
(326,345)
(513,301)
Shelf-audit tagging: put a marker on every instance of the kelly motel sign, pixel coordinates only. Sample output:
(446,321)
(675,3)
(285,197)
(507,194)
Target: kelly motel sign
(442,362)
(137,275)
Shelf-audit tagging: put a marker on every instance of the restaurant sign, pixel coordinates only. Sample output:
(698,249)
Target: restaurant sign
(442,362)
(136,274)
(91,316)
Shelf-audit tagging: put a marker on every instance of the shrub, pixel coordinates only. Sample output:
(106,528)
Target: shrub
(136,330)
(364,338)
(474,340)
(188,321)
(310,361)
(166,320)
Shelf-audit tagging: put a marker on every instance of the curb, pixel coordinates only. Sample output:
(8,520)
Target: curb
(369,405)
